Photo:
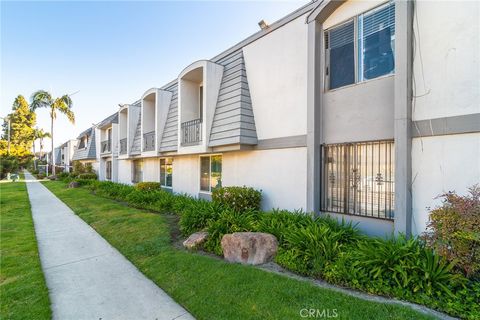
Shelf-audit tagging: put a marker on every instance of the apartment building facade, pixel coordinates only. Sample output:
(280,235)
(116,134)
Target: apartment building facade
(364,110)
(64,155)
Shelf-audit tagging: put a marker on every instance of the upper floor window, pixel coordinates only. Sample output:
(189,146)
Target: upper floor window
(210,173)
(83,142)
(362,48)
(166,172)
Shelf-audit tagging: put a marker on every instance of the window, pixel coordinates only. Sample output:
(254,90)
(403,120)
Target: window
(83,142)
(108,170)
(373,55)
(358,178)
(166,172)
(137,173)
(210,173)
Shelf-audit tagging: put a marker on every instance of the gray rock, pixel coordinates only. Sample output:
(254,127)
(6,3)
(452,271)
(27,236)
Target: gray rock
(195,240)
(249,247)
(73,184)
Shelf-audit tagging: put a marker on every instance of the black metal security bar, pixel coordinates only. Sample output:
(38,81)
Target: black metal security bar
(359,179)
(149,141)
(191,132)
(123,146)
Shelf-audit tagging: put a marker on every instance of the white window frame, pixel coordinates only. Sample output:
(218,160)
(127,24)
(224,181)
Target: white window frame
(163,184)
(356,50)
(209,172)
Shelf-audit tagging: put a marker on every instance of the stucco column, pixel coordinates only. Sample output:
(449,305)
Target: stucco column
(403,117)
(314,93)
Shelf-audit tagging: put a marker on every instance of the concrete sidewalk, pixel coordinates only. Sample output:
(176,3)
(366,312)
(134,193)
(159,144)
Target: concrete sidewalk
(87,278)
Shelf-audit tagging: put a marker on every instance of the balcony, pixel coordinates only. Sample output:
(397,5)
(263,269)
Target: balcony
(149,141)
(106,146)
(191,132)
(123,146)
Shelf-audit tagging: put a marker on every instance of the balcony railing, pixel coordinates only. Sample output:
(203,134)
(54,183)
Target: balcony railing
(191,132)
(106,146)
(149,141)
(123,146)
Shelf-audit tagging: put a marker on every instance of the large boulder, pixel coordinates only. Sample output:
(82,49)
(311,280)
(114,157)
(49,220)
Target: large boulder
(73,184)
(195,240)
(249,247)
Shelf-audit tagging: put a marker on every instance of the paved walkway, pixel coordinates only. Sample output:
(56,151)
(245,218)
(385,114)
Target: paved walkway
(87,278)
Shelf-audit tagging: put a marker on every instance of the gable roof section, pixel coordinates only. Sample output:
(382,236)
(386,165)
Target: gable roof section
(170,131)
(233,121)
(108,120)
(90,152)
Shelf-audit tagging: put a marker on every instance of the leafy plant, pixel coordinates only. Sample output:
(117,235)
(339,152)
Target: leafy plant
(147,186)
(197,215)
(229,221)
(454,230)
(88,176)
(238,198)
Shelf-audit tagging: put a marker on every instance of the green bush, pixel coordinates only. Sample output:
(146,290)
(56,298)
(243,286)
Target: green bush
(7,165)
(196,216)
(454,230)
(63,175)
(40,176)
(141,199)
(229,221)
(87,176)
(147,186)
(112,190)
(238,198)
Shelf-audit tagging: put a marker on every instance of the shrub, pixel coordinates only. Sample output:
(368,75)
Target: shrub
(40,176)
(147,186)
(229,221)
(63,175)
(196,216)
(141,199)
(87,176)
(454,230)
(7,165)
(88,168)
(238,198)
(78,168)
(112,190)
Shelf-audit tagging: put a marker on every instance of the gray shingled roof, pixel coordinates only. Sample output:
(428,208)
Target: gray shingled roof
(90,152)
(233,121)
(109,120)
(170,131)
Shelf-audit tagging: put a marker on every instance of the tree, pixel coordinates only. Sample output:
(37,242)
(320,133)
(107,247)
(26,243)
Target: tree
(22,122)
(39,134)
(63,104)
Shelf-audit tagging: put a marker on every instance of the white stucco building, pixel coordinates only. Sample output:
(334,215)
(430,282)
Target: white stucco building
(365,110)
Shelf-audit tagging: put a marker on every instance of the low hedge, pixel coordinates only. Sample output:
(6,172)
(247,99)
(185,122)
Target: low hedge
(238,198)
(87,176)
(147,186)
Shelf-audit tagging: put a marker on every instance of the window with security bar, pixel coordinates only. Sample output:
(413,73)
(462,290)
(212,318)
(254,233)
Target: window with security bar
(359,179)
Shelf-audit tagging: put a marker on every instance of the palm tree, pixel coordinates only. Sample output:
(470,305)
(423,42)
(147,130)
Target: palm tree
(63,104)
(39,134)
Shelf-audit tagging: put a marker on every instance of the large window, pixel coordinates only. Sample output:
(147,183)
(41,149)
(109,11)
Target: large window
(361,48)
(166,172)
(108,170)
(358,178)
(137,174)
(210,173)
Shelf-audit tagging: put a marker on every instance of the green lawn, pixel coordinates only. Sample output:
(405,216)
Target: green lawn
(23,293)
(207,287)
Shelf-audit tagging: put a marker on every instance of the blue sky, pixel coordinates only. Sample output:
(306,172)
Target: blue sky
(111,52)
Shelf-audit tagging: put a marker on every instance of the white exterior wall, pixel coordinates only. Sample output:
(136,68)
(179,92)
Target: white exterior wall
(447,84)
(441,164)
(276,67)
(125,171)
(151,169)
(186,174)
(281,174)
(450,48)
